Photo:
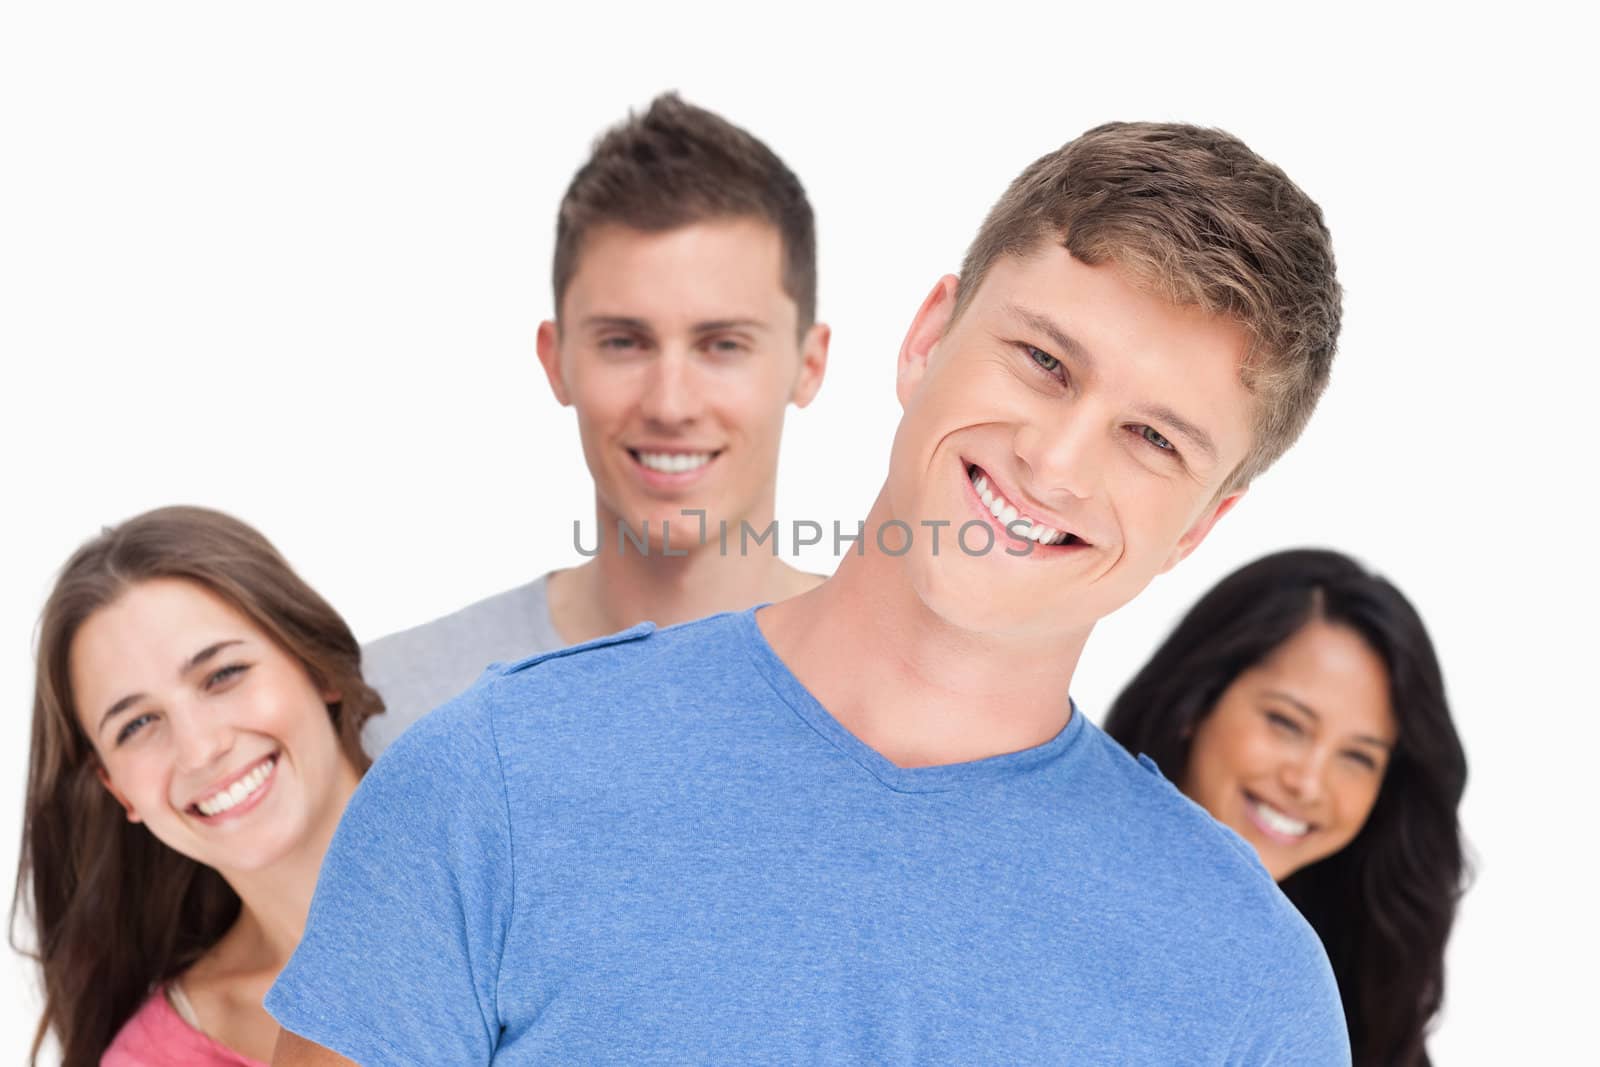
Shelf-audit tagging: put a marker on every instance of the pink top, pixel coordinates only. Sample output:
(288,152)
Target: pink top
(157,1036)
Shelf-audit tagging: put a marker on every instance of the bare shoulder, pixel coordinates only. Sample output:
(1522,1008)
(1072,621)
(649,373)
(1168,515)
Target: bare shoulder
(295,1051)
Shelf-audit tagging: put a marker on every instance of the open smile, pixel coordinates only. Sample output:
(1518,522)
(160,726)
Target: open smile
(240,795)
(672,467)
(1277,824)
(1015,522)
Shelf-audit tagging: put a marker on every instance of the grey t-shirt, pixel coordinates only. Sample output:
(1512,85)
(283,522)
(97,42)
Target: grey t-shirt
(417,670)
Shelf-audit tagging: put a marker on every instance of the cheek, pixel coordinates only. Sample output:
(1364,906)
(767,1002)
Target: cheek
(599,406)
(316,746)
(601,390)
(750,393)
(1149,510)
(758,425)
(1356,800)
(288,710)
(1226,753)
(143,780)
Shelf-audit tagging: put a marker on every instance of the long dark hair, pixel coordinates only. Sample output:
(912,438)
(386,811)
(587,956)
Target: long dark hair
(116,912)
(1383,904)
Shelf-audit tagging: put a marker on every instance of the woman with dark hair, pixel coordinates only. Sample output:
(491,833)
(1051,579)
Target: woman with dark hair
(1300,703)
(197,718)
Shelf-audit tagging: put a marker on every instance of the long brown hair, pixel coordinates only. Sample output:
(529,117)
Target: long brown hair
(116,912)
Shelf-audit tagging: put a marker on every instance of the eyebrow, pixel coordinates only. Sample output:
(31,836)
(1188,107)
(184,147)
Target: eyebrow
(1158,413)
(616,322)
(1287,699)
(717,325)
(627,322)
(198,659)
(1064,341)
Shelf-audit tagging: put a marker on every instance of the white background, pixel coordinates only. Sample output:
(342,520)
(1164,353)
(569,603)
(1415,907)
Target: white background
(288,261)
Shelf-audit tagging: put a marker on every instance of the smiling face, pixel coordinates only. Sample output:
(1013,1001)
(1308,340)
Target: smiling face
(680,352)
(207,731)
(1294,753)
(1086,412)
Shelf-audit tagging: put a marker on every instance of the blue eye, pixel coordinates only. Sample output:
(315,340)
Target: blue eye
(1149,434)
(617,344)
(133,726)
(1044,360)
(222,674)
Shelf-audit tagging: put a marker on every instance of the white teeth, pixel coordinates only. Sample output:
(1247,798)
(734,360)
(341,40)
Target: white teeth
(234,794)
(674,462)
(1277,820)
(1007,513)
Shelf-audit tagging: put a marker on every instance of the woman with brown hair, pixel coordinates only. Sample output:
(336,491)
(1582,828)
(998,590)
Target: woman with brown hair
(196,734)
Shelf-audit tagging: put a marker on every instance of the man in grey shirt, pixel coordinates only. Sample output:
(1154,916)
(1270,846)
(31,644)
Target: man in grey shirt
(685,300)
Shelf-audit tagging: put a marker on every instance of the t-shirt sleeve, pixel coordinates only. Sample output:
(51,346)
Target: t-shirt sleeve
(401,954)
(1296,1018)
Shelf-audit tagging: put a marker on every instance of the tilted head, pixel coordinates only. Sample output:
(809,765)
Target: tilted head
(197,714)
(1195,216)
(1143,322)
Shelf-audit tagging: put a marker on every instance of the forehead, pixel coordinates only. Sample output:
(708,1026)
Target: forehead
(142,637)
(1333,670)
(717,269)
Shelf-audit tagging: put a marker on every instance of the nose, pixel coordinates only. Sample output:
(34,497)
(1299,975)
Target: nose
(1304,775)
(671,392)
(200,737)
(1063,453)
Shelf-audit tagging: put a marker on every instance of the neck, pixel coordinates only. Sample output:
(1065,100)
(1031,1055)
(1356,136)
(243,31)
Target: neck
(275,900)
(910,684)
(617,589)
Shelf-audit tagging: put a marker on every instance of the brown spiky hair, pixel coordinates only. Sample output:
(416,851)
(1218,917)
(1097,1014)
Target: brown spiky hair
(676,165)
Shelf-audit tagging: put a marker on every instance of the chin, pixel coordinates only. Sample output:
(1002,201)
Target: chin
(266,848)
(684,529)
(1281,871)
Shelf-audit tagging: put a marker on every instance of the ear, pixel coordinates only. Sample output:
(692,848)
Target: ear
(105,780)
(549,345)
(813,363)
(1202,526)
(933,317)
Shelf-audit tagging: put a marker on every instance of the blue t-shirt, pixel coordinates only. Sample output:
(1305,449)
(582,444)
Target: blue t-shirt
(659,848)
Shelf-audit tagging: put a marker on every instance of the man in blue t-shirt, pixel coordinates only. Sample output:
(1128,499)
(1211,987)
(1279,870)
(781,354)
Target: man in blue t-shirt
(866,824)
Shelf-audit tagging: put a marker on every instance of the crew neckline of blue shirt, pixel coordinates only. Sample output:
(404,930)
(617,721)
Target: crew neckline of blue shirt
(935,779)
(659,847)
